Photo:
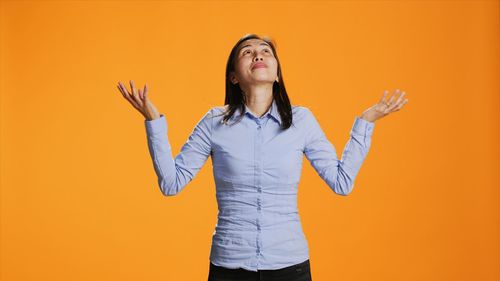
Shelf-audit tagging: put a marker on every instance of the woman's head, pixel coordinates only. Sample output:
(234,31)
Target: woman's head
(254,62)
(241,71)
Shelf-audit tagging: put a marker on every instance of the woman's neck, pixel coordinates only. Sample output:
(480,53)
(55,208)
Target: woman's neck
(258,99)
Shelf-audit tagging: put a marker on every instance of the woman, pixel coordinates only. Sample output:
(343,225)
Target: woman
(257,153)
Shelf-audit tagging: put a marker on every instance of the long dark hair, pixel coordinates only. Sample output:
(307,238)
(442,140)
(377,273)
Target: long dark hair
(236,99)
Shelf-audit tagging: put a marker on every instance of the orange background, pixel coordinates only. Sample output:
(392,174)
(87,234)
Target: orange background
(79,196)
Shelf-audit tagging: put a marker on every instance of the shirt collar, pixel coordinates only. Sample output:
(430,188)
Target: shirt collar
(273,111)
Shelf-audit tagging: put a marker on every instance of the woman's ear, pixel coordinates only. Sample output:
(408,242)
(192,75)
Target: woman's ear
(233,78)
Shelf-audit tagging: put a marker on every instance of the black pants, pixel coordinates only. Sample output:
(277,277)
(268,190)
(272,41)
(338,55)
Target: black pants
(296,272)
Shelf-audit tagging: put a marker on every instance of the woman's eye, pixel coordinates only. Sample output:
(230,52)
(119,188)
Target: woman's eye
(266,50)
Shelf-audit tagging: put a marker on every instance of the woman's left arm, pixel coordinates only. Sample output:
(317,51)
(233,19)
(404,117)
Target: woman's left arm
(341,174)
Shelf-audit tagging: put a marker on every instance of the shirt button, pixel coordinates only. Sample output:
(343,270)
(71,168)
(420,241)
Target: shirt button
(258,127)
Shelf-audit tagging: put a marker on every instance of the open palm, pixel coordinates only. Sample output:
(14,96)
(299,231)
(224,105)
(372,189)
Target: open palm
(383,107)
(139,100)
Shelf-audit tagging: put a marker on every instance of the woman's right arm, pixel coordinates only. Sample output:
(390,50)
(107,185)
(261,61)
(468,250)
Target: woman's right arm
(173,173)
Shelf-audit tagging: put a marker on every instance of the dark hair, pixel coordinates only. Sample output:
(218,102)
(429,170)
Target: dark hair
(234,95)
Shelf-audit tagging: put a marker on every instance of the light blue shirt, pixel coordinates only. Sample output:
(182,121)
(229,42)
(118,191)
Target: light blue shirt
(257,169)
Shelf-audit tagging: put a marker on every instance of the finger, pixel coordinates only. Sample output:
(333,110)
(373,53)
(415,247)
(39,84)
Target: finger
(401,105)
(140,95)
(123,91)
(134,92)
(400,98)
(145,91)
(122,87)
(396,104)
(382,100)
(137,99)
(135,96)
(132,101)
(132,87)
(128,96)
(392,106)
(392,97)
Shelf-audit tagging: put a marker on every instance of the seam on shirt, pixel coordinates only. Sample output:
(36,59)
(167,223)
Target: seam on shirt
(347,150)
(211,129)
(155,157)
(309,140)
(306,139)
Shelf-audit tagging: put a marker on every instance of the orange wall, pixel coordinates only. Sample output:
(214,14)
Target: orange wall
(79,197)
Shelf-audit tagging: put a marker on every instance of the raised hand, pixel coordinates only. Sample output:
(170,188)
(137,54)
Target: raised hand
(383,107)
(139,100)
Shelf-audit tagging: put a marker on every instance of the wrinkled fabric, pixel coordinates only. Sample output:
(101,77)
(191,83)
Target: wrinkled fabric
(257,168)
(296,272)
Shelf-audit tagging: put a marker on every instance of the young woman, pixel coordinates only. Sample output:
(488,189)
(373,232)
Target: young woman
(257,141)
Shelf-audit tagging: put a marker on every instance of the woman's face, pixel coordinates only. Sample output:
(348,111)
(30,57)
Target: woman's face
(249,53)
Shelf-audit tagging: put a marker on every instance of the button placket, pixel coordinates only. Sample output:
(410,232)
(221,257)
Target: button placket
(258,174)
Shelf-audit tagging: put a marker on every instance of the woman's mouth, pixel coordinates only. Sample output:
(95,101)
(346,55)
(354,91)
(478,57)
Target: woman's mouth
(259,65)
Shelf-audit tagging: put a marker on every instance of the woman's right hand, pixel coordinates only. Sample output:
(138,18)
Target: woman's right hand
(139,100)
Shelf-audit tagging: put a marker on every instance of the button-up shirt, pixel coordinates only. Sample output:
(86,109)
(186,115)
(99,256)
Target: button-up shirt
(257,168)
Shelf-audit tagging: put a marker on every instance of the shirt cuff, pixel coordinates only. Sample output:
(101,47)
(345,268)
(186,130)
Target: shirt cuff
(362,127)
(156,126)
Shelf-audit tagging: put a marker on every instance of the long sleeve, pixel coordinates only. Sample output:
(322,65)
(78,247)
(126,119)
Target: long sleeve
(175,173)
(339,175)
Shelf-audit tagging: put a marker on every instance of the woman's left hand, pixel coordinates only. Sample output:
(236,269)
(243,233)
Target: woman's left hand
(383,108)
